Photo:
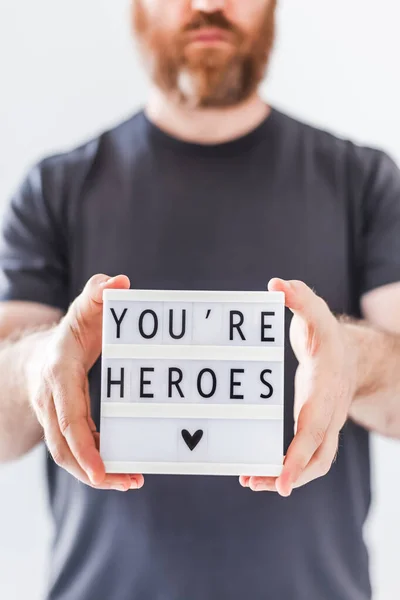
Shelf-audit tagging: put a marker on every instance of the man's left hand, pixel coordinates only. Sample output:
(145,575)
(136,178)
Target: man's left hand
(325,385)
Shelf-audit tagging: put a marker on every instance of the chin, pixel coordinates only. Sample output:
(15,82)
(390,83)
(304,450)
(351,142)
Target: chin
(218,56)
(199,91)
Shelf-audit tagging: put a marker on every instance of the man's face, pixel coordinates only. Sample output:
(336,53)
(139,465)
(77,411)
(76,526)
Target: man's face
(206,53)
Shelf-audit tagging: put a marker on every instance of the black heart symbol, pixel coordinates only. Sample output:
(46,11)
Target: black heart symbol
(192,440)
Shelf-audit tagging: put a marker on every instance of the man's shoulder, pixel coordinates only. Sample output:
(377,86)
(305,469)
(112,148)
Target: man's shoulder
(335,153)
(76,162)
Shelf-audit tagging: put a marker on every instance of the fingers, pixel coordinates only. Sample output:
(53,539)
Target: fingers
(92,424)
(312,316)
(320,419)
(319,466)
(90,301)
(84,317)
(313,423)
(244,480)
(62,403)
(318,405)
(310,453)
(259,484)
(114,480)
(72,416)
(62,455)
(55,442)
(70,431)
(300,299)
(321,462)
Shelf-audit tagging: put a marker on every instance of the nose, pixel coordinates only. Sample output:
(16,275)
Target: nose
(208,5)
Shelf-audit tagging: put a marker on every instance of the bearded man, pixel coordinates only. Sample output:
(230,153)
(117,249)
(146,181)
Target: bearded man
(206,188)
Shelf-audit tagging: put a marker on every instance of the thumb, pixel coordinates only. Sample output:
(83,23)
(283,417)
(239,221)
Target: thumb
(301,300)
(85,314)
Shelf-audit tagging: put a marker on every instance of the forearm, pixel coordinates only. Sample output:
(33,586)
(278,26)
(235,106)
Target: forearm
(20,360)
(376,404)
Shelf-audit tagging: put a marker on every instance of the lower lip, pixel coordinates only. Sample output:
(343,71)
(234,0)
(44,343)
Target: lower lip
(209,38)
(200,43)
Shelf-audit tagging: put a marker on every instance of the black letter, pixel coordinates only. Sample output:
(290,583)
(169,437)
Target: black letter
(171,333)
(118,321)
(119,382)
(271,389)
(264,326)
(214,384)
(143,382)
(176,382)
(142,333)
(233,383)
(236,325)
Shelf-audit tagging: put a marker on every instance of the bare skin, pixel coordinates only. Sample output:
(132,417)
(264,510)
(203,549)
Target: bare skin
(346,369)
(45,384)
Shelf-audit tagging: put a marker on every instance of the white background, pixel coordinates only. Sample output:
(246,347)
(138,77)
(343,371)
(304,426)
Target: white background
(68,70)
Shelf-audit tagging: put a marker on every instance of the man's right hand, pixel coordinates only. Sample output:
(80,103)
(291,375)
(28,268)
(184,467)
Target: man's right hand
(59,389)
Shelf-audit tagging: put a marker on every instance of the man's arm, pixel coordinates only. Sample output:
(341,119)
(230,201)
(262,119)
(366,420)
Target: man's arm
(376,344)
(346,369)
(45,391)
(24,329)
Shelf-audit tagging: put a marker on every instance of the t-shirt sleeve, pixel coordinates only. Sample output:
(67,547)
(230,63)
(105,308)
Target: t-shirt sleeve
(380,244)
(33,261)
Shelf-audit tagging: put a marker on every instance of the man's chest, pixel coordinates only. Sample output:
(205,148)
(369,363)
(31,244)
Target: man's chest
(216,237)
(225,239)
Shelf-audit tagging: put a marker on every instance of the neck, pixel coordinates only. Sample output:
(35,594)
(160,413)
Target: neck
(205,126)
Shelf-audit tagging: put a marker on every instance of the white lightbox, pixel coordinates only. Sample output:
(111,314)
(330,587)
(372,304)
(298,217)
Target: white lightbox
(192,382)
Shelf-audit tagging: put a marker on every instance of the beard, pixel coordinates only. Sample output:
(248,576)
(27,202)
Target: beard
(199,77)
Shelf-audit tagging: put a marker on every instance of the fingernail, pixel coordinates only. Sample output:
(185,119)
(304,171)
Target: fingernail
(104,283)
(92,476)
(134,484)
(120,488)
(287,493)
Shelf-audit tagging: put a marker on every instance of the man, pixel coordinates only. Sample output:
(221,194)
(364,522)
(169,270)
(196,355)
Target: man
(208,188)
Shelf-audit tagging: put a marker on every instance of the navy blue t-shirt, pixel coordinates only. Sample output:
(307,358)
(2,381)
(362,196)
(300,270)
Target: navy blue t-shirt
(285,200)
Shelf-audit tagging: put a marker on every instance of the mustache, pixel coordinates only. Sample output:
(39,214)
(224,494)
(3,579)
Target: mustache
(215,19)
